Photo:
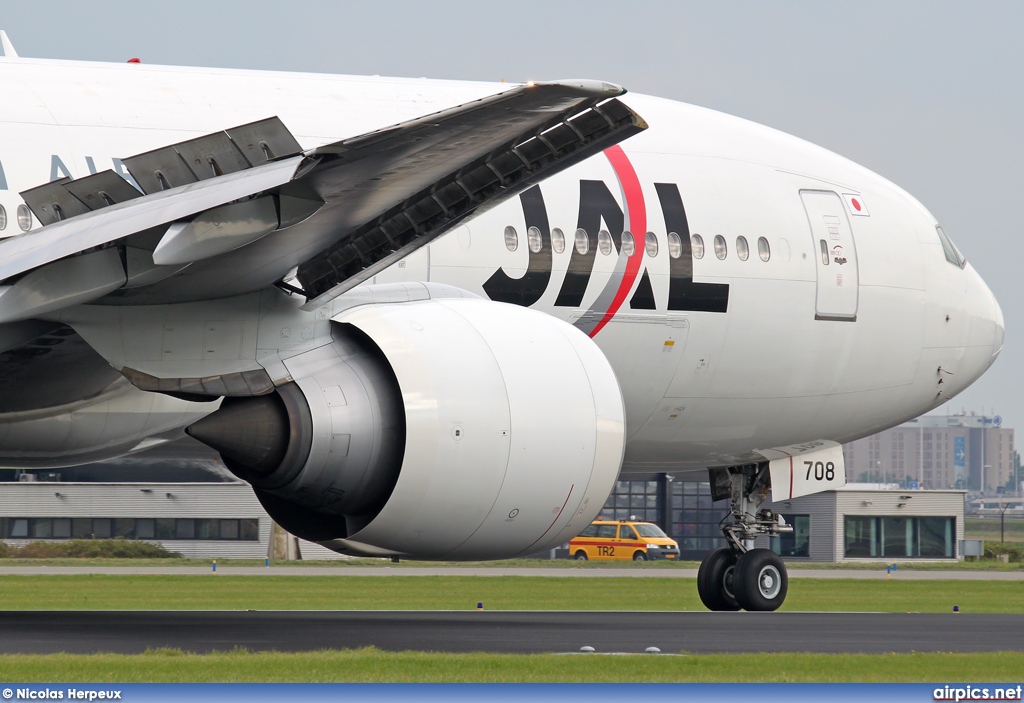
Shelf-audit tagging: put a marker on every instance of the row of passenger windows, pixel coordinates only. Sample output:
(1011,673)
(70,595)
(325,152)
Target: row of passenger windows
(581,242)
(24,218)
(128,528)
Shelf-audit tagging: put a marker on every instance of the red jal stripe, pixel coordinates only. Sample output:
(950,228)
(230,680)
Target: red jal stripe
(637,210)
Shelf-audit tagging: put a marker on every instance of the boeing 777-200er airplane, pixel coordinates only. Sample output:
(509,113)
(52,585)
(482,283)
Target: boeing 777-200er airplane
(438,320)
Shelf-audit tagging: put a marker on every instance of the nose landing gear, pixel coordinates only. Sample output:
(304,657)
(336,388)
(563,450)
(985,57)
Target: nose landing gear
(740,576)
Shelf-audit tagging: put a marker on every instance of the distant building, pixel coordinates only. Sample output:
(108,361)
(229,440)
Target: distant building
(868,524)
(199,520)
(967,451)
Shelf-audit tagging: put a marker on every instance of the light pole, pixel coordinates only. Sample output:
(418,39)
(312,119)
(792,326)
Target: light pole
(984,470)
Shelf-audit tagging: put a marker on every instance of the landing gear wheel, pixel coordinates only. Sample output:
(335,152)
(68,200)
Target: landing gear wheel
(639,556)
(761,580)
(580,556)
(715,580)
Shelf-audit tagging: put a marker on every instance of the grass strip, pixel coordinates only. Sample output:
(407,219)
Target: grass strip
(225,592)
(375,666)
(355,564)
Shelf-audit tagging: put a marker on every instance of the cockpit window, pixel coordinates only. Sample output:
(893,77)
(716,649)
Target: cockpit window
(953,255)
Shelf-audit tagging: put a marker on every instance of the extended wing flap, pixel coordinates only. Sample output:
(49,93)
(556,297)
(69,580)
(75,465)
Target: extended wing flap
(433,172)
(98,227)
(345,211)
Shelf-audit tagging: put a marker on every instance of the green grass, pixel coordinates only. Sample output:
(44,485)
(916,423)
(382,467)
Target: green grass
(221,591)
(353,563)
(225,592)
(910,565)
(374,666)
(988,529)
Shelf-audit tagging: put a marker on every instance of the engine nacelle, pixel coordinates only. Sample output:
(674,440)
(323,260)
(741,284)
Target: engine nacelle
(438,429)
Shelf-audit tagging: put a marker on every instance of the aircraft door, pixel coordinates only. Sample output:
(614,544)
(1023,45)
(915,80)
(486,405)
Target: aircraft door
(836,255)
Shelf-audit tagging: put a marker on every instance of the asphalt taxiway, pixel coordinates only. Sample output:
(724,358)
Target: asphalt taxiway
(132,632)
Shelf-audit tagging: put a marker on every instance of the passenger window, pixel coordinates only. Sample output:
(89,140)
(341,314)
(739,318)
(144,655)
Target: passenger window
(582,242)
(651,244)
(953,254)
(626,532)
(721,250)
(675,245)
(824,251)
(3,218)
(511,238)
(24,218)
(697,246)
(557,240)
(534,240)
(763,249)
(604,242)
(607,531)
(590,531)
(742,250)
(628,245)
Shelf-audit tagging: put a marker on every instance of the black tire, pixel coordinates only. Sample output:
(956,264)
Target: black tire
(760,580)
(580,556)
(714,580)
(639,556)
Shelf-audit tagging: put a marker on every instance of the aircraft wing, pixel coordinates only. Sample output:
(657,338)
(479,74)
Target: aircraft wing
(241,209)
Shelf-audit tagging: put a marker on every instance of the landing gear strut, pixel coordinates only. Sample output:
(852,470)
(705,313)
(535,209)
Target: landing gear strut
(740,576)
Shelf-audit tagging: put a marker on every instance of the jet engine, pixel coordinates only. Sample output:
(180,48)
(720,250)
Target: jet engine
(438,429)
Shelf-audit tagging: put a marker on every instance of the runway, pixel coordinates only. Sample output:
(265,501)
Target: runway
(131,632)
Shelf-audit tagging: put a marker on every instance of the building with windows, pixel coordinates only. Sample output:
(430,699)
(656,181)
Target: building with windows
(967,451)
(201,520)
(854,524)
(851,524)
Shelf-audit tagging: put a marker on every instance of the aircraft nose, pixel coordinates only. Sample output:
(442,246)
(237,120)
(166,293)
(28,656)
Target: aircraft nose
(979,338)
(987,326)
(997,340)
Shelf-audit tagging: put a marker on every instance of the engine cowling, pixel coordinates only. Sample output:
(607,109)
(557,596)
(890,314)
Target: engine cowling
(438,429)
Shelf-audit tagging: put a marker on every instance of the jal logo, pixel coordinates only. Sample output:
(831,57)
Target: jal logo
(596,204)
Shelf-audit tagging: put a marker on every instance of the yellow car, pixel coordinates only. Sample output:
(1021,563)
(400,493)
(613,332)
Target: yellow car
(623,539)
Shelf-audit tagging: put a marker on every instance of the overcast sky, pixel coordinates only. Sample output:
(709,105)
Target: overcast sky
(928,94)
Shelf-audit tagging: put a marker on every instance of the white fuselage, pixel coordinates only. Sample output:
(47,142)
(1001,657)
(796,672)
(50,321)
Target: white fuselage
(810,345)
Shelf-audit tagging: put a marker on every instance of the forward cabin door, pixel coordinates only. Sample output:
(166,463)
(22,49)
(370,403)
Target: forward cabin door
(835,254)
